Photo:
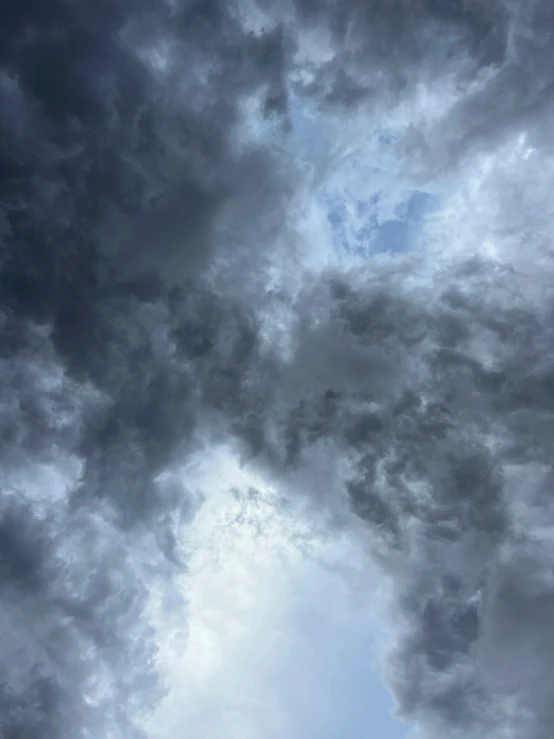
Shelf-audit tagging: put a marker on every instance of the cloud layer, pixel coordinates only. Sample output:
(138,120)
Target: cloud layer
(158,294)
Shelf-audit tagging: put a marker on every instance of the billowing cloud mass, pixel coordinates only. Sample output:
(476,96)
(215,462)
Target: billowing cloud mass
(170,281)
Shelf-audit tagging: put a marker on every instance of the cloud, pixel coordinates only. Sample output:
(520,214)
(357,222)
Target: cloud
(378,52)
(162,290)
(121,153)
(431,385)
(458,77)
(76,655)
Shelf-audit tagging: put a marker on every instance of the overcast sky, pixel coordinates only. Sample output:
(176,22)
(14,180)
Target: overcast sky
(276,369)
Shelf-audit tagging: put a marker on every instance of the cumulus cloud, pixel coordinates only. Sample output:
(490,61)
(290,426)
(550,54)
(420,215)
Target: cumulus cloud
(161,291)
(378,50)
(436,397)
(120,157)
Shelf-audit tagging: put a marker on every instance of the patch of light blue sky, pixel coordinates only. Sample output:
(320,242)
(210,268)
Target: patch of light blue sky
(371,208)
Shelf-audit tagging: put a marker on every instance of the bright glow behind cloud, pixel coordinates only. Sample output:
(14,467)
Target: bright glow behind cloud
(276,645)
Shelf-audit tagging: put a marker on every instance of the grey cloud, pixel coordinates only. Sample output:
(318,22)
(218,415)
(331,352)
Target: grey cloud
(514,97)
(117,179)
(380,50)
(121,168)
(75,655)
(449,452)
(493,59)
(123,180)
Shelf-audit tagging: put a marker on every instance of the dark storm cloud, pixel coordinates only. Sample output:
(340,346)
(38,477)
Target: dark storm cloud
(117,160)
(512,96)
(486,65)
(518,98)
(439,394)
(381,49)
(142,154)
(75,654)
(120,170)
(125,174)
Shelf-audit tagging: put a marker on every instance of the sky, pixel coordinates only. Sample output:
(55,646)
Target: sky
(276,386)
